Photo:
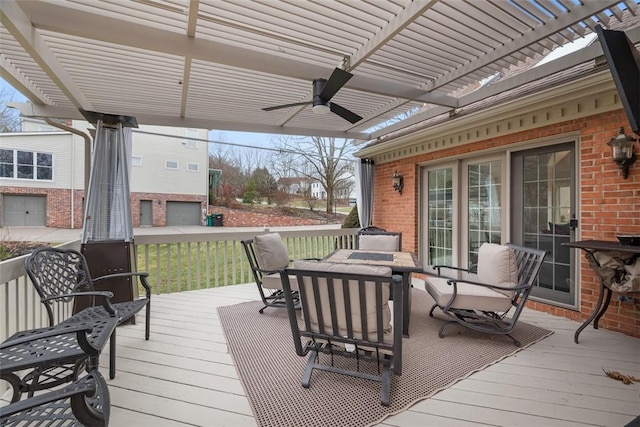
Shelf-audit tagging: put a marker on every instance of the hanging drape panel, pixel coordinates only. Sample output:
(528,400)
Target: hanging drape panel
(364,192)
(108,206)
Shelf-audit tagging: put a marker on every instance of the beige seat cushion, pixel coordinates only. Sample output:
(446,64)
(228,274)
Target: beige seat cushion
(372,242)
(271,253)
(468,296)
(273,281)
(355,300)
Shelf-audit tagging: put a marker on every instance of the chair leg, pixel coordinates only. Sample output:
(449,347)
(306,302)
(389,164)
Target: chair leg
(147,322)
(306,378)
(386,384)
(112,355)
(432,308)
(445,326)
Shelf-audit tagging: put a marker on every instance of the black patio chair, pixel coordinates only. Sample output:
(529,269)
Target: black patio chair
(346,314)
(44,358)
(379,240)
(60,276)
(267,255)
(504,279)
(85,402)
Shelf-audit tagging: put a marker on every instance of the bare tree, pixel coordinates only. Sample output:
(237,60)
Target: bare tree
(326,160)
(9,117)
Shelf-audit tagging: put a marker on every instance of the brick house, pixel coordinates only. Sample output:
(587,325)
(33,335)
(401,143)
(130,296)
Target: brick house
(43,176)
(517,167)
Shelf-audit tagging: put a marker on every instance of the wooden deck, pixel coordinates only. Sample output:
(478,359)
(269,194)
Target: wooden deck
(184,376)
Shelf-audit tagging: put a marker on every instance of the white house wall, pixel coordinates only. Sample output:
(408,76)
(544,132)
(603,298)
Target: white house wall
(68,158)
(153,151)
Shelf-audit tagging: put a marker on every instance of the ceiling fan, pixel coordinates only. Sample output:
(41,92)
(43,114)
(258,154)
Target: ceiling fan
(323,91)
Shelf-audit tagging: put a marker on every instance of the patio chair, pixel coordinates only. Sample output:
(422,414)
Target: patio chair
(505,276)
(346,314)
(60,276)
(267,255)
(85,402)
(40,359)
(379,240)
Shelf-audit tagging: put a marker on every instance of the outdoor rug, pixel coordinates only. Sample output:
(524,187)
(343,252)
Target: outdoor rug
(270,371)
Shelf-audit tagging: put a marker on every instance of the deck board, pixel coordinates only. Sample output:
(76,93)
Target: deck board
(185,376)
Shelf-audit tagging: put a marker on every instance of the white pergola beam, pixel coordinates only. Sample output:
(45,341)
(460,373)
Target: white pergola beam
(12,76)
(44,111)
(18,24)
(387,32)
(65,20)
(549,29)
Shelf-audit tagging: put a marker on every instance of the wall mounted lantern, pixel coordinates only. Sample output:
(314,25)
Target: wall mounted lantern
(397,181)
(622,151)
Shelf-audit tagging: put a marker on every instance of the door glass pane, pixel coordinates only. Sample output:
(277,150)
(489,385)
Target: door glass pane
(440,214)
(484,184)
(546,214)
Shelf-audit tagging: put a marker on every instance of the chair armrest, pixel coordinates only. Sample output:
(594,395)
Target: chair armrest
(143,279)
(486,285)
(47,333)
(438,267)
(106,298)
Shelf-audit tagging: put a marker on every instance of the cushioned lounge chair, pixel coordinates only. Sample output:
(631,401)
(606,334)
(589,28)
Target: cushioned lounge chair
(267,255)
(345,310)
(60,275)
(505,276)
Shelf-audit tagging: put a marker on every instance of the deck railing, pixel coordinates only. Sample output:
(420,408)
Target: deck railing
(175,262)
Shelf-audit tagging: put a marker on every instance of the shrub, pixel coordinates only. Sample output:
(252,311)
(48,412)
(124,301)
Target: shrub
(352,220)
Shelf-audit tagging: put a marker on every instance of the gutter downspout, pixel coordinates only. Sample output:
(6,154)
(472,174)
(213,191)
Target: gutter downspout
(87,160)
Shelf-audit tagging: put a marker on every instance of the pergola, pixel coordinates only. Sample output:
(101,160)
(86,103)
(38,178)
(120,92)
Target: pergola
(216,64)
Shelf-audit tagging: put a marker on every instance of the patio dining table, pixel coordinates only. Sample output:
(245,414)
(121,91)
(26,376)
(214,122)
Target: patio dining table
(403,263)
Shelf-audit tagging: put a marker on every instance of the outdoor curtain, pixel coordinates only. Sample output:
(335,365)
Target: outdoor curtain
(364,191)
(108,206)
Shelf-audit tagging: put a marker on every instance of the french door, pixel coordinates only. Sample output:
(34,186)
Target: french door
(462,209)
(543,215)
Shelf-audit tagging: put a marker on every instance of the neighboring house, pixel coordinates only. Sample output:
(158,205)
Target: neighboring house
(518,167)
(294,185)
(42,176)
(346,191)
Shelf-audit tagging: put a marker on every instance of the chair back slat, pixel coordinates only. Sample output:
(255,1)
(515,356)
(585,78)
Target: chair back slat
(57,273)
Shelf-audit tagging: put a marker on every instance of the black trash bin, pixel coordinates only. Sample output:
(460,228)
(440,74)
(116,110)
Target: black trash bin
(217,219)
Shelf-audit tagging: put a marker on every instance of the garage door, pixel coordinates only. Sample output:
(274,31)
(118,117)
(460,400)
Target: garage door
(184,213)
(24,211)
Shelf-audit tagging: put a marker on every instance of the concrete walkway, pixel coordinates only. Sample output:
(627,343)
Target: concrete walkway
(62,235)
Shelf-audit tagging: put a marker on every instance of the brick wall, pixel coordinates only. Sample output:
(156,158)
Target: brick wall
(59,202)
(159,205)
(609,204)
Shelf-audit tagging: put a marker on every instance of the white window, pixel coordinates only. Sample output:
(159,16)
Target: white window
(171,164)
(191,143)
(26,165)
(193,167)
(136,161)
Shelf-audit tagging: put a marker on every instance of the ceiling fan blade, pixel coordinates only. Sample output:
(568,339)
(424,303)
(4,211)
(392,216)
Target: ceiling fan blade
(336,81)
(349,116)
(277,107)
